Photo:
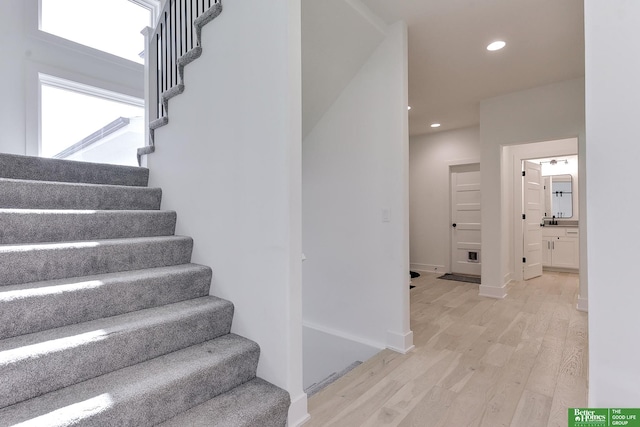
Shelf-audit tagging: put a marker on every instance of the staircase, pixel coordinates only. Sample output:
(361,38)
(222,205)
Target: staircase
(103,319)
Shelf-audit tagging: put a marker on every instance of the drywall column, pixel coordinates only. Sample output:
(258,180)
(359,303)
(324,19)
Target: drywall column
(229,162)
(544,113)
(355,216)
(612,31)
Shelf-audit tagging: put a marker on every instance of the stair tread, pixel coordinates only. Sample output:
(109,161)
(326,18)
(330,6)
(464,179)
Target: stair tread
(51,225)
(37,363)
(43,261)
(108,325)
(39,168)
(24,247)
(146,393)
(37,306)
(254,403)
(28,194)
(72,184)
(13,291)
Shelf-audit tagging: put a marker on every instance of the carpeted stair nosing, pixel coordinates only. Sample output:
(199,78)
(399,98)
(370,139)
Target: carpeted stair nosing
(39,226)
(145,394)
(34,364)
(266,405)
(47,261)
(43,169)
(38,306)
(23,194)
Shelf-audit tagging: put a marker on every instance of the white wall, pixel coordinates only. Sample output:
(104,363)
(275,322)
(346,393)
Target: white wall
(430,159)
(355,167)
(612,31)
(229,163)
(544,113)
(25,51)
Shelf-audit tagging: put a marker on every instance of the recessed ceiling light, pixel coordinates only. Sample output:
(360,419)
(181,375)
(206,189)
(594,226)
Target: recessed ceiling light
(408,107)
(435,125)
(497,45)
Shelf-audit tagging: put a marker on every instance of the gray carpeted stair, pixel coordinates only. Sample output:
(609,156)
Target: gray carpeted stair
(37,306)
(103,319)
(41,169)
(35,226)
(18,194)
(46,261)
(268,407)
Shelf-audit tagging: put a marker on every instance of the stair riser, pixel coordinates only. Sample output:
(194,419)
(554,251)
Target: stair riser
(41,169)
(26,227)
(29,310)
(56,261)
(52,195)
(142,398)
(112,349)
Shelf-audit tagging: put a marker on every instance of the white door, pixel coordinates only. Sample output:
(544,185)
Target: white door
(533,209)
(465,219)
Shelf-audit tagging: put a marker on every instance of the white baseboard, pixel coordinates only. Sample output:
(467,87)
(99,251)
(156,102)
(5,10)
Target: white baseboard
(583,304)
(298,413)
(507,278)
(493,292)
(402,343)
(428,268)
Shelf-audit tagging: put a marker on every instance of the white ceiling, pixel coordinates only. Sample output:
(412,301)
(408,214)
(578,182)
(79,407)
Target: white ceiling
(450,70)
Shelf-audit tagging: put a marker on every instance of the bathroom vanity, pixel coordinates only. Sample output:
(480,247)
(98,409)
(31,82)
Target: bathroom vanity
(561,246)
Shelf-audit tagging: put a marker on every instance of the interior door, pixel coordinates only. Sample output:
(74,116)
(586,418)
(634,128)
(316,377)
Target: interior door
(533,209)
(465,219)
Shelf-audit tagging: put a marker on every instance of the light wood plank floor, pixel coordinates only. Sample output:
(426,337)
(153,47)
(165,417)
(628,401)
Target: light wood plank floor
(478,362)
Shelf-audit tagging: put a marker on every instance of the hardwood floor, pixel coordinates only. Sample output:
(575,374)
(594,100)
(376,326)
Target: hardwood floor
(478,362)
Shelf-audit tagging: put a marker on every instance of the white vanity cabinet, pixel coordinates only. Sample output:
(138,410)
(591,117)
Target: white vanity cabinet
(560,247)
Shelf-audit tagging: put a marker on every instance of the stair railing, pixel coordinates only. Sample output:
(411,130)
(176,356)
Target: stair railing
(174,43)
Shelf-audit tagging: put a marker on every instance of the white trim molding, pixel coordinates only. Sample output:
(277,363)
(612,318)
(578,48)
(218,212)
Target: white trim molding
(428,268)
(493,291)
(343,335)
(402,343)
(583,304)
(298,413)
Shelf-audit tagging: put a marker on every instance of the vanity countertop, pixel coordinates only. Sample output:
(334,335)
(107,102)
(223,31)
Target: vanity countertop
(561,223)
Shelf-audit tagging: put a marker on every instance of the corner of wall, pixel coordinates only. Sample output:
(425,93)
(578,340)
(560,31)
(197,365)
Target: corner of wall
(298,413)
(493,291)
(402,343)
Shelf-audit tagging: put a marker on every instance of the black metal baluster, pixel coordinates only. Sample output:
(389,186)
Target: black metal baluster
(191,18)
(158,52)
(183,28)
(165,57)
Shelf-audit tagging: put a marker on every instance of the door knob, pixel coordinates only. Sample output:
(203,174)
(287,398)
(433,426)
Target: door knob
(454,225)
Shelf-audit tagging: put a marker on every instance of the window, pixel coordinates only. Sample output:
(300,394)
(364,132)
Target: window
(112,26)
(81,122)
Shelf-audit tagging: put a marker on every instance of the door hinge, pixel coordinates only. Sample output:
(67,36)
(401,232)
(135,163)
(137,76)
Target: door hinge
(524,260)
(524,216)
(524,173)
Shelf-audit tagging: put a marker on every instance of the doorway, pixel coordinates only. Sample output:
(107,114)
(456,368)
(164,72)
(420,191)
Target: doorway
(539,152)
(465,219)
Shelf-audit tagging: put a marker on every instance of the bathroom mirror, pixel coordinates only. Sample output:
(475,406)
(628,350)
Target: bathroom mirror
(558,196)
